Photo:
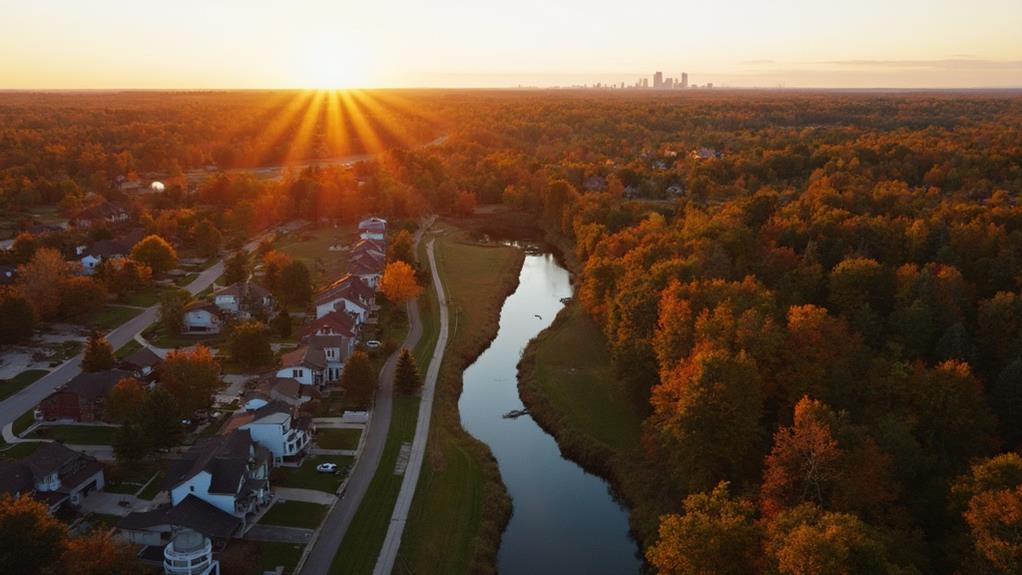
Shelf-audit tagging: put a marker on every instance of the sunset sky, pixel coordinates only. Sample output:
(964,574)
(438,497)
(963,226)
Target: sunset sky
(52,44)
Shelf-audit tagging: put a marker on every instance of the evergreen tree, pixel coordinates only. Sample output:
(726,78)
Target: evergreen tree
(160,420)
(358,381)
(282,323)
(407,378)
(99,354)
(236,268)
(130,445)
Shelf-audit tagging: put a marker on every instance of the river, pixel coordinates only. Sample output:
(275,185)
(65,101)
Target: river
(565,520)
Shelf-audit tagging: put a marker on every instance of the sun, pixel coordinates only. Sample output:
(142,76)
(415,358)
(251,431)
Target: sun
(332,63)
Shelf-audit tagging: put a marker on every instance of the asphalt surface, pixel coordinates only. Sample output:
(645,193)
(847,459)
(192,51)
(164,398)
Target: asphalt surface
(388,554)
(334,527)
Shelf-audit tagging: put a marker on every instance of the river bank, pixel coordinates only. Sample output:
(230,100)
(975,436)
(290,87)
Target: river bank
(460,487)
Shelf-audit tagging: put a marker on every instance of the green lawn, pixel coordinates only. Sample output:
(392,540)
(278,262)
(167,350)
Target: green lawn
(111,316)
(574,373)
(127,349)
(459,487)
(102,520)
(295,514)
(272,554)
(312,247)
(9,387)
(334,404)
(306,476)
(76,434)
(152,488)
(364,538)
(338,438)
(23,422)
(19,450)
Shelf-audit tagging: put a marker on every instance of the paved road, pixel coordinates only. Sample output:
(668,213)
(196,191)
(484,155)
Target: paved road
(385,562)
(332,530)
(17,404)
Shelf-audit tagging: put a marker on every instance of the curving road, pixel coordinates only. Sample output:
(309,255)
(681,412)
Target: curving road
(385,562)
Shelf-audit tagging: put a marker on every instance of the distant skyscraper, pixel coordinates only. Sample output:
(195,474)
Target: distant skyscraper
(658,80)
(684,79)
(645,82)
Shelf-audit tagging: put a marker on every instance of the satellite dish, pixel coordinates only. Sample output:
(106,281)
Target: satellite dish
(157,186)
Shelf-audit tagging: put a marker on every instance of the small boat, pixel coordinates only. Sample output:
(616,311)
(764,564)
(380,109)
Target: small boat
(516,413)
(538,316)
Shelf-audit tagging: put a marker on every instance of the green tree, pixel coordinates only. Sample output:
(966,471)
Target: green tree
(716,534)
(236,268)
(18,317)
(80,296)
(207,238)
(406,376)
(191,377)
(282,323)
(31,540)
(172,310)
(295,284)
(358,381)
(99,354)
(155,252)
(131,445)
(402,248)
(250,345)
(160,420)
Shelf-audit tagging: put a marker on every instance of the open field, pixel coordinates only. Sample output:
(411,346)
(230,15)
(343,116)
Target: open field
(312,247)
(110,317)
(460,485)
(77,434)
(364,537)
(338,438)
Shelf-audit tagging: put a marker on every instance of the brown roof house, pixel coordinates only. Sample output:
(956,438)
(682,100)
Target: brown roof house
(53,474)
(84,397)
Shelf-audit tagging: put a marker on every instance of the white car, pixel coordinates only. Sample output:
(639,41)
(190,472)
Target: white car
(327,468)
(373,344)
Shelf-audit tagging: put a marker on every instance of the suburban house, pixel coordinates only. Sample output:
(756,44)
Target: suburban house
(202,317)
(336,350)
(229,472)
(281,389)
(305,364)
(142,364)
(84,397)
(367,268)
(372,228)
(244,299)
(349,294)
(276,427)
(376,248)
(53,474)
(337,322)
(112,249)
(104,213)
(162,528)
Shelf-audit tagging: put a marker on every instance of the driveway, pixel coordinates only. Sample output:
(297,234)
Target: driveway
(306,495)
(279,534)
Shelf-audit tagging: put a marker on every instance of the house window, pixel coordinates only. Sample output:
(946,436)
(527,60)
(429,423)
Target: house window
(191,488)
(296,373)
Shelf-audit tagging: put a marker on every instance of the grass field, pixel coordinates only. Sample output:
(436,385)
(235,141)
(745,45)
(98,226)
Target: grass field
(295,514)
(127,349)
(338,438)
(110,317)
(152,488)
(460,485)
(24,420)
(77,434)
(306,476)
(574,373)
(19,450)
(312,247)
(9,387)
(362,542)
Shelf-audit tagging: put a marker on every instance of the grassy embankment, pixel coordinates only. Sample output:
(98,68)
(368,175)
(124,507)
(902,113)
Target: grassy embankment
(460,485)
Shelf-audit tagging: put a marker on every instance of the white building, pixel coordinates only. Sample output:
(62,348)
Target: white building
(276,427)
(190,553)
(202,317)
(373,228)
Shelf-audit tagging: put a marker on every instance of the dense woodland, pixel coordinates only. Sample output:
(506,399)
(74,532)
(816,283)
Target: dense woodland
(820,315)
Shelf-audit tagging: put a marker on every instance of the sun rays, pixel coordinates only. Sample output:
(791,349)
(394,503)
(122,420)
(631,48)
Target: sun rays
(305,126)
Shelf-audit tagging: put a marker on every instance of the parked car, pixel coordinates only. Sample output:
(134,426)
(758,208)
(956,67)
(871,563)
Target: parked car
(327,468)
(373,344)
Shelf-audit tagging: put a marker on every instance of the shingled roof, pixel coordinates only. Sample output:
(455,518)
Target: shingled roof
(96,384)
(224,457)
(192,513)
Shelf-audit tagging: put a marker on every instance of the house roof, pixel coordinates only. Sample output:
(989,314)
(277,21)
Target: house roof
(144,357)
(373,224)
(101,211)
(15,477)
(304,355)
(96,384)
(192,513)
(337,321)
(202,306)
(349,287)
(224,457)
(244,289)
(369,245)
(119,246)
(325,341)
(50,457)
(364,267)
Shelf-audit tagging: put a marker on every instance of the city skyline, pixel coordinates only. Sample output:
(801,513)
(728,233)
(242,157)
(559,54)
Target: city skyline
(56,44)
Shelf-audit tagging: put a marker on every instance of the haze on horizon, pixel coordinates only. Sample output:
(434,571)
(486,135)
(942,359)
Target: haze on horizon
(190,44)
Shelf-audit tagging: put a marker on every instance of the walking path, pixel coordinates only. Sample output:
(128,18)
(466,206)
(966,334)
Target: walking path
(331,532)
(385,563)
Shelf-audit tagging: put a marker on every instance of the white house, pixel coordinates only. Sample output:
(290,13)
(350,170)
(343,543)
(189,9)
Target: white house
(229,472)
(243,299)
(202,317)
(373,228)
(335,349)
(276,427)
(305,364)
(367,268)
(349,294)
(190,553)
